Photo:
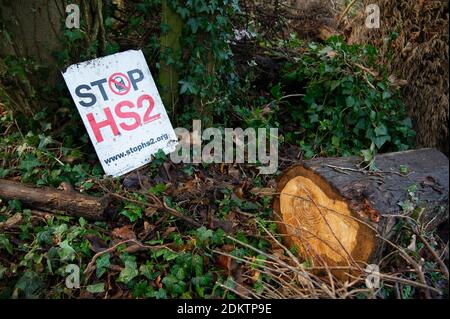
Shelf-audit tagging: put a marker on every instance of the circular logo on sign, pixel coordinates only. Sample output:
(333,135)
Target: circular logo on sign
(119,83)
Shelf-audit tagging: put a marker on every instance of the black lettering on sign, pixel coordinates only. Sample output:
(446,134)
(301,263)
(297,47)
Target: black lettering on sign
(137,79)
(100,83)
(118,84)
(82,95)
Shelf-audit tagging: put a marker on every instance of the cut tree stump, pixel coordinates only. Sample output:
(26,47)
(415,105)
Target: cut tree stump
(68,201)
(336,213)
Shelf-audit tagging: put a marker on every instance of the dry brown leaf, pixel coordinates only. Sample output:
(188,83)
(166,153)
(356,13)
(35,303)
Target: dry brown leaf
(12,221)
(396,81)
(150,211)
(234,172)
(239,192)
(96,244)
(256,276)
(266,110)
(190,186)
(331,54)
(158,282)
(147,226)
(224,262)
(124,232)
(168,231)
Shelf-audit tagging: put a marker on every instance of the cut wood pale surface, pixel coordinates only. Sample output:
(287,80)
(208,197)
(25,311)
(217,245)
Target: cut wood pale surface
(336,213)
(67,202)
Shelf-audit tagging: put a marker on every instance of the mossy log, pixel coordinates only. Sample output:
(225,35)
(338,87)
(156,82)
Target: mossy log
(337,214)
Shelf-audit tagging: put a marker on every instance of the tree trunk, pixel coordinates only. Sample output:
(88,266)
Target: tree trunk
(31,33)
(337,214)
(418,54)
(170,43)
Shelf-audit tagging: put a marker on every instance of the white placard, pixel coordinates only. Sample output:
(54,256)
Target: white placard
(122,110)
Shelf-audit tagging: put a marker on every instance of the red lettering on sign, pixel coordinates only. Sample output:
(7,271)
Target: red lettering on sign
(110,121)
(97,126)
(147,117)
(130,115)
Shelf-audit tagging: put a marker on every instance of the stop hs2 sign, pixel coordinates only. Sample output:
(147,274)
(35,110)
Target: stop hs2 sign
(121,108)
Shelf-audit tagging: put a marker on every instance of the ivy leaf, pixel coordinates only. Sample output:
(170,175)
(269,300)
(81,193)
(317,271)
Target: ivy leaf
(167,254)
(381,130)
(404,169)
(161,294)
(4,172)
(197,262)
(96,288)
(381,140)
(30,283)
(170,282)
(382,136)
(187,87)
(407,206)
(2,271)
(158,189)
(183,12)
(407,122)
(133,212)
(130,271)
(334,85)
(194,24)
(87,185)
(276,91)
(247,205)
(179,272)
(146,270)
(335,141)
(29,163)
(73,35)
(5,244)
(102,264)
(368,155)
(44,141)
(204,234)
(350,101)
(66,252)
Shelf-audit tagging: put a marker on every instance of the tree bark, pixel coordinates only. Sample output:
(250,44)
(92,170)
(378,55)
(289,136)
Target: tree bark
(31,32)
(337,214)
(67,202)
(170,42)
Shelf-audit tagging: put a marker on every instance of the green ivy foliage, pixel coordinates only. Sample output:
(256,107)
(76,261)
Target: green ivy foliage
(348,103)
(205,65)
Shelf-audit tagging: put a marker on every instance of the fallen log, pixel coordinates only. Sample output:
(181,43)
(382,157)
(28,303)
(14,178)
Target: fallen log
(68,201)
(336,213)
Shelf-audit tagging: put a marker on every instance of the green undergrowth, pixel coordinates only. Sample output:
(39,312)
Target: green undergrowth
(327,99)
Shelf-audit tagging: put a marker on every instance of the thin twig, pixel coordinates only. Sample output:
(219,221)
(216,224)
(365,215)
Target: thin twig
(434,254)
(91,264)
(345,11)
